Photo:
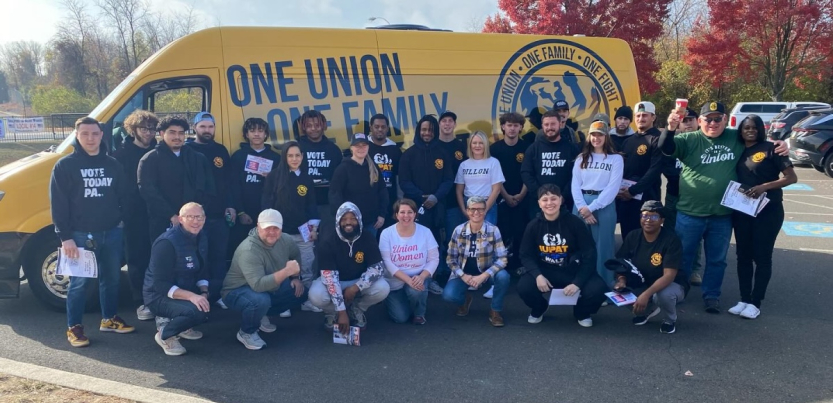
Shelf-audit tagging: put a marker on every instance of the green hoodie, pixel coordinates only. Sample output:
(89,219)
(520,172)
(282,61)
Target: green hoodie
(254,263)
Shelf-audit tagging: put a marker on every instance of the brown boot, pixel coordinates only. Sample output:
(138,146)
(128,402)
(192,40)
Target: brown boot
(463,310)
(495,318)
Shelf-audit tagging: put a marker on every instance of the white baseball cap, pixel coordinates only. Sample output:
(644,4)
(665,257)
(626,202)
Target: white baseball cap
(645,106)
(270,218)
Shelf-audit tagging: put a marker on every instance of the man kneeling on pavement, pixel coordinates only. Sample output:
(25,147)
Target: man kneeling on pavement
(263,278)
(649,263)
(351,272)
(176,282)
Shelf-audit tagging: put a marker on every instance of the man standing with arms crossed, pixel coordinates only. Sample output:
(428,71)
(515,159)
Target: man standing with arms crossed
(88,198)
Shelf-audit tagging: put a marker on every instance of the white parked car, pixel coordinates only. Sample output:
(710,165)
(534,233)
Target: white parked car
(766,110)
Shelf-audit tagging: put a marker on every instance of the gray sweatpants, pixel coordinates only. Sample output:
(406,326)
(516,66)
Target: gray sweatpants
(666,299)
(373,295)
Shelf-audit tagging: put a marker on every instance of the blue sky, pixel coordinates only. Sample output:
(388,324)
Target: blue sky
(35,20)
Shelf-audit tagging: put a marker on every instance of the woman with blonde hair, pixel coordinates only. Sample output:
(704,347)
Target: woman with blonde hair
(480,175)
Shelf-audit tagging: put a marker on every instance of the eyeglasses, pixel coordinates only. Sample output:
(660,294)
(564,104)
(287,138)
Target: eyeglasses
(715,120)
(145,129)
(478,210)
(197,218)
(651,217)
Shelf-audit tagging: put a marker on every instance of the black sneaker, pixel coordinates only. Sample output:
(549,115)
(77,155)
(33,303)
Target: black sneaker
(712,305)
(667,328)
(641,320)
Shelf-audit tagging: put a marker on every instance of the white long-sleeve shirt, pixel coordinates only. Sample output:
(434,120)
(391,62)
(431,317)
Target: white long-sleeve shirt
(604,173)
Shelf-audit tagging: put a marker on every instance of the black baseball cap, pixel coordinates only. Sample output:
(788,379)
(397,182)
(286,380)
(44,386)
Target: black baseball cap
(653,206)
(712,107)
(359,138)
(691,113)
(448,114)
(561,104)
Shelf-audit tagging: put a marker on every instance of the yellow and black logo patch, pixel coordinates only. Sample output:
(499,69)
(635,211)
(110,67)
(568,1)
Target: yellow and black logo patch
(758,157)
(438,163)
(519,157)
(713,106)
(458,155)
(359,257)
(302,190)
(218,162)
(656,259)
(642,149)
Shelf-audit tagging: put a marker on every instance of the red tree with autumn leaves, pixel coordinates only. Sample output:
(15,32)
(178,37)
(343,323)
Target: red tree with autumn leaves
(770,42)
(638,22)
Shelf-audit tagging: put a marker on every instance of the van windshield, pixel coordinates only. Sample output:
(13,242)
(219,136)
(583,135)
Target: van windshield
(96,113)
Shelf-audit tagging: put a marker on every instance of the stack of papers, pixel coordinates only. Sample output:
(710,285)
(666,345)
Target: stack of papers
(626,184)
(557,297)
(84,266)
(621,299)
(735,199)
(352,338)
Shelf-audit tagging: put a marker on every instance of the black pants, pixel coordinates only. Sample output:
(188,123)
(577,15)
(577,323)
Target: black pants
(183,314)
(512,223)
(755,239)
(137,253)
(589,302)
(628,214)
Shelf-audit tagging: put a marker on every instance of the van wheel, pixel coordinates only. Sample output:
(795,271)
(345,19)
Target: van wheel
(40,267)
(828,165)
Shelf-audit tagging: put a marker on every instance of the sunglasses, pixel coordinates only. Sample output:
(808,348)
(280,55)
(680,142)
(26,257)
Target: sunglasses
(715,120)
(651,217)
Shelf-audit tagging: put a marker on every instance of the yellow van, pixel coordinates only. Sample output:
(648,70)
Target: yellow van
(348,75)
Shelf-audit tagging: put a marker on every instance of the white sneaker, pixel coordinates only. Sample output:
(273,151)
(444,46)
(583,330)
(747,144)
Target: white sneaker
(191,334)
(586,322)
(221,304)
(490,293)
(309,307)
(286,314)
(750,312)
(534,320)
(171,345)
(266,325)
(737,309)
(143,313)
(251,341)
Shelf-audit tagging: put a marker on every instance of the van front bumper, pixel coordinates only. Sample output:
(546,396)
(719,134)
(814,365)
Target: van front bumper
(11,244)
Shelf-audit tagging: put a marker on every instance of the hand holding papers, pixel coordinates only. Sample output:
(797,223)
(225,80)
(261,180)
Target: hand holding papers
(84,266)
(627,184)
(258,165)
(557,297)
(621,299)
(735,198)
(352,338)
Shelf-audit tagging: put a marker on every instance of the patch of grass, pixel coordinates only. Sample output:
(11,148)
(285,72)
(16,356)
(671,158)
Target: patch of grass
(11,152)
(21,390)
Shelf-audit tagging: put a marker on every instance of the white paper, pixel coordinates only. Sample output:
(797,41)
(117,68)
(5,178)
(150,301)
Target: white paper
(84,266)
(621,299)
(353,337)
(304,231)
(258,165)
(734,199)
(627,184)
(557,297)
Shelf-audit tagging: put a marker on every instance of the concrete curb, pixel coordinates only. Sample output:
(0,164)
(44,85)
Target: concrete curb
(91,384)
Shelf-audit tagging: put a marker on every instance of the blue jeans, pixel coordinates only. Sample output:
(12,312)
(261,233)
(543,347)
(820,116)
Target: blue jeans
(716,232)
(604,233)
(183,315)
(406,302)
(453,218)
(218,238)
(255,305)
(455,290)
(108,255)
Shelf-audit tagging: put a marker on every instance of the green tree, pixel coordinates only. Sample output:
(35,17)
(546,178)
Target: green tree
(4,88)
(47,100)
(179,101)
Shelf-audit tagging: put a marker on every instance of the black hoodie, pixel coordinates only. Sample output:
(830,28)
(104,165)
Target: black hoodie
(321,160)
(351,182)
(128,156)
(563,245)
(549,162)
(87,193)
(643,164)
(295,201)
(426,169)
(218,160)
(167,182)
(246,187)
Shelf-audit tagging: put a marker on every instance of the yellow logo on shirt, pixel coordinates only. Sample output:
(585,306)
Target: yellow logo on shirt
(519,157)
(438,163)
(218,162)
(642,149)
(359,257)
(302,190)
(656,259)
(458,155)
(758,157)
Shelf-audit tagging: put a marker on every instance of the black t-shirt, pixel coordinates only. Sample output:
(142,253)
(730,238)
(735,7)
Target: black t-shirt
(760,164)
(456,150)
(511,158)
(651,258)
(471,260)
(335,254)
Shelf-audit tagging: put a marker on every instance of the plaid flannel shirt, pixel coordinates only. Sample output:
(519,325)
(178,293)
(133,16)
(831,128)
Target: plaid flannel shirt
(490,252)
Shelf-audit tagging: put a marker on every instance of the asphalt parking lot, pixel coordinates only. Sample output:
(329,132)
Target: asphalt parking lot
(783,356)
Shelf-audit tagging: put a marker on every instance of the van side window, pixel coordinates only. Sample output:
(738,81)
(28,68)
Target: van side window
(768,108)
(751,108)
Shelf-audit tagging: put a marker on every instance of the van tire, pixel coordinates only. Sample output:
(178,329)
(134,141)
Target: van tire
(828,165)
(39,265)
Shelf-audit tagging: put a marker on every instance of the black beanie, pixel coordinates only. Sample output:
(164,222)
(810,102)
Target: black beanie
(625,112)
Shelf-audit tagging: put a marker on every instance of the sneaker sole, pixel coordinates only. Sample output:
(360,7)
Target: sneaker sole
(534,320)
(145,317)
(316,310)
(79,344)
(584,325)
(647,318)
(249,346)
(497,325)
(119,331)
(167,351)
(188,337)
(268,330)
(671,332)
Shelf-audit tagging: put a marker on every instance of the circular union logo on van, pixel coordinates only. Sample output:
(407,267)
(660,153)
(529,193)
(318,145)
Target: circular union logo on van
(548,70)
